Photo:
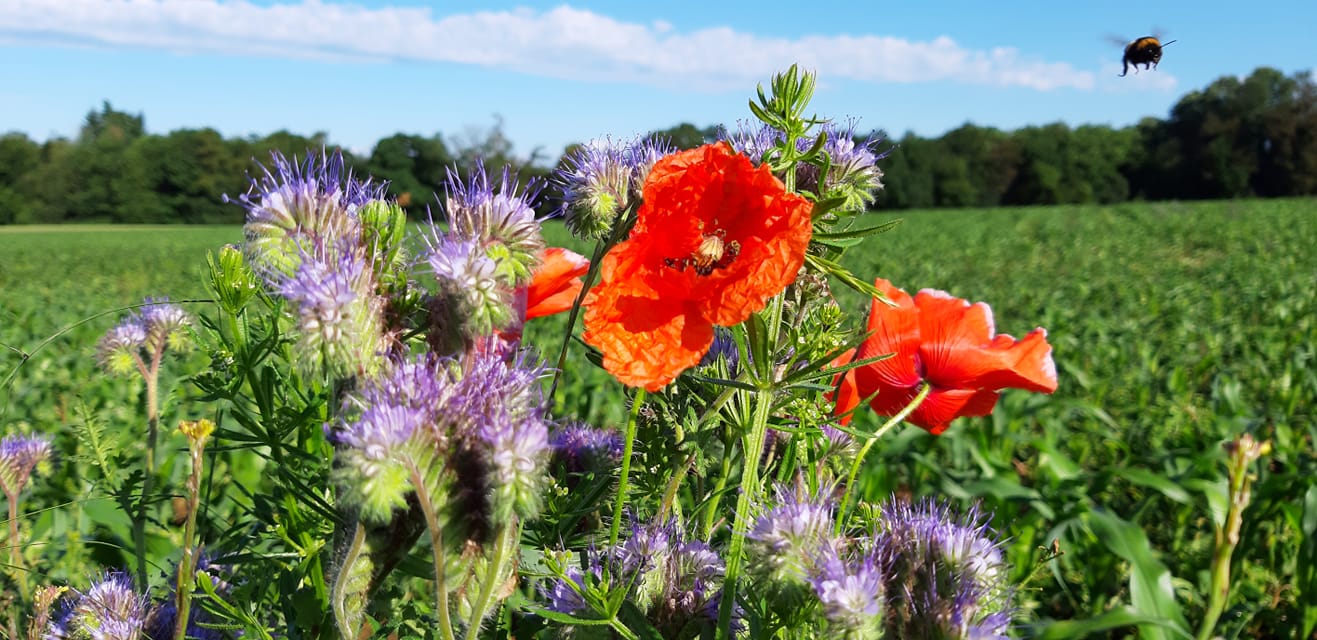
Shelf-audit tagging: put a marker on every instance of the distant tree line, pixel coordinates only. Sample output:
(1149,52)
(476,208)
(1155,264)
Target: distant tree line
(1251,137)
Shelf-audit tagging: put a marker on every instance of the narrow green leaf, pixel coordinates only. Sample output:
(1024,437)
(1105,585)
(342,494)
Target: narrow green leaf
(1151,591)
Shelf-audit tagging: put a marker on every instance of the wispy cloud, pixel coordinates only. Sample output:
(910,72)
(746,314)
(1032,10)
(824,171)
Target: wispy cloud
(564,42)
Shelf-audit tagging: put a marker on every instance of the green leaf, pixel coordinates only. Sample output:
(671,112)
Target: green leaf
(1151,591)
(1166,486)
(1114,619)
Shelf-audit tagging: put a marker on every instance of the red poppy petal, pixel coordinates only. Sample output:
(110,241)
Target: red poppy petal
(1024,364)
(942,406)
(894,330)
(556,282)
(645,344)
(959,350)
(846,394)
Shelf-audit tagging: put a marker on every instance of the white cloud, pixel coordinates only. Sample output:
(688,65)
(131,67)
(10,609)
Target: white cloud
(563,43)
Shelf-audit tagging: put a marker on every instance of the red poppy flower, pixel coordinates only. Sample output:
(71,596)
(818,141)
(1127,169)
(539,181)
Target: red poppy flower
(714,239)
(553,288)
(556,283)
(948,343)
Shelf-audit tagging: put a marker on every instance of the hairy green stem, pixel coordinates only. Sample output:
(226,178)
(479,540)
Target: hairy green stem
(437,549)
(507,534)
(187,569)
(338,599)
(623,483)
(849,497)
(754,450)
(151,374)
(599,249)
(755,436)
(15,562)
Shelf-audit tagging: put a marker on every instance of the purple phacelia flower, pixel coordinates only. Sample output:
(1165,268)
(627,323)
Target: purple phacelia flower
(142,335)
(339,316)
(500,220)
(723,348)
(298,209)
(500,402)
(648,546)
(19,455)
(676,582)
(788,537)
(852,592)
(756,140)
(476,301)
(948,571)
(601,179)
(581,448)
(108,610)
(379,459)
(853,172)
(596,180)
(563,593)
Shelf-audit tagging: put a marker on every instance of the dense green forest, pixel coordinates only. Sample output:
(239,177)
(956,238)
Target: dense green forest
(1255,136)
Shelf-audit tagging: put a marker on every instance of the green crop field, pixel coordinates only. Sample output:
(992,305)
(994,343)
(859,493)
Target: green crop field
(1176,327)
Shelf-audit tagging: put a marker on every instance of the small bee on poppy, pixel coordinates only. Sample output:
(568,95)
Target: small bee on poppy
(1146,51)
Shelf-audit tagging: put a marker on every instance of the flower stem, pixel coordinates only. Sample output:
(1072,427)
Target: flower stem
(850,495)
(437,548)
(755,437)
(599,249)
(339,598)
(623,482)
(756,434)
(1243,451)
(187,569)
(493,575)
(151,374)
(15,561)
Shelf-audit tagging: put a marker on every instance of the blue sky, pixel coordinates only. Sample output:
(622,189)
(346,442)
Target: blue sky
(558,73)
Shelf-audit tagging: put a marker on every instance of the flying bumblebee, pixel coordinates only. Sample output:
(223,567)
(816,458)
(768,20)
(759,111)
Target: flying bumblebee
(1146,51)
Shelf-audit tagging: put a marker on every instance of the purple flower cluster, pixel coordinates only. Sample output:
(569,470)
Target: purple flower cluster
(676,583)
(142,336)
(923,572)
(581,448)
(789,538)
(339,319)
(111,610)
(853,172)
(600,179)
(852,591)
(476,299)
(108,610)
(948,571)
(19,455)
(499,219)
(489,250)
(300,209)
(482,419)
(305,238)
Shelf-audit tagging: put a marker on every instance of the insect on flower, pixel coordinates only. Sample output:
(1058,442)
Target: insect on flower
(714,252)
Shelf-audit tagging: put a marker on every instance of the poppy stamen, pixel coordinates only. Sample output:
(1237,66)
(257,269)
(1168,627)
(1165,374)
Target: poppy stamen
(714,252)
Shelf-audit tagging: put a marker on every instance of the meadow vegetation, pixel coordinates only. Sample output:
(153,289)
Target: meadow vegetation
(1177,327)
